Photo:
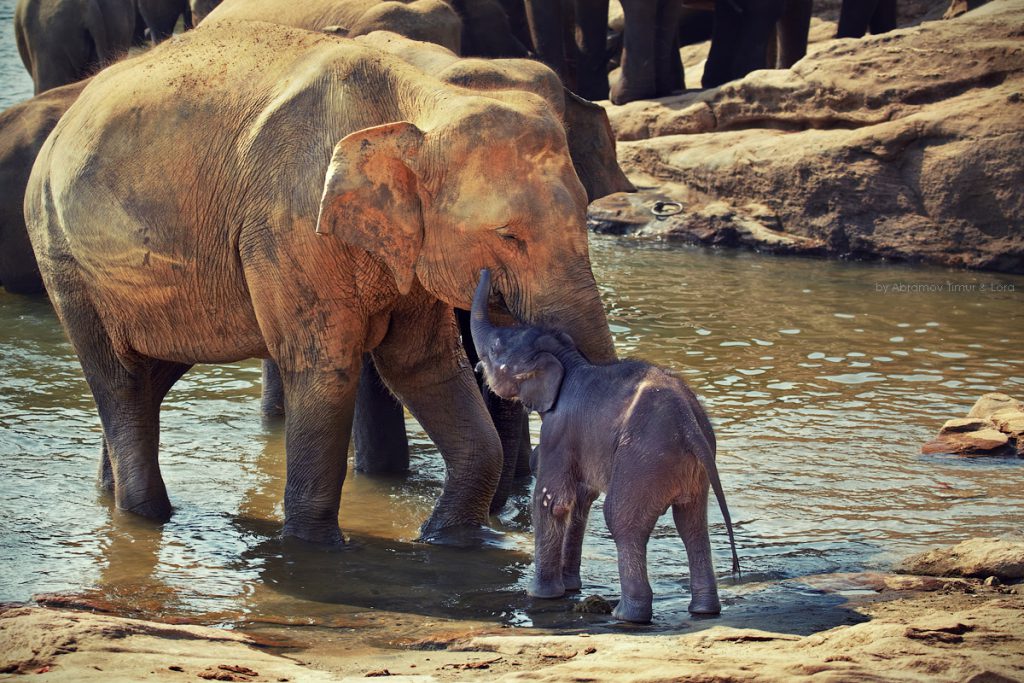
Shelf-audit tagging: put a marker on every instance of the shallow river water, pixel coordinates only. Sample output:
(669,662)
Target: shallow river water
(822,380)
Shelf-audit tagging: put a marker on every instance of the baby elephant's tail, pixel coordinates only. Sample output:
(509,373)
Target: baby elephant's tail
(707,459)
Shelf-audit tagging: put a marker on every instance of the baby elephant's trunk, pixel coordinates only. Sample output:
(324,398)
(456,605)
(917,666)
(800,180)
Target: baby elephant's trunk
(479,322)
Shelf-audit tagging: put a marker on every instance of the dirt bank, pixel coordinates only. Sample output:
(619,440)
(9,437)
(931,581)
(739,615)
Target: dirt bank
(918,628)
(904,145)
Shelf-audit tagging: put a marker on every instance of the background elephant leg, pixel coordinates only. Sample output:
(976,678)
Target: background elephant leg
(724,43)
(421,360)
(572,546)
(854,17)
(692,524)
(592,45)
(668,64)
(272,400)
(381,443)
(523,469)
(547,20)
(507,417)
(317,428)
(792,32)
(884,18)
(757,30)
(637,80)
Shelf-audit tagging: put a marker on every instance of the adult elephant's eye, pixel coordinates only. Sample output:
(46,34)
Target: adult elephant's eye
(508,235)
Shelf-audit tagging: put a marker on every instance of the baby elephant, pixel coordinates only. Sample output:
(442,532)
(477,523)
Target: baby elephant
(628,428)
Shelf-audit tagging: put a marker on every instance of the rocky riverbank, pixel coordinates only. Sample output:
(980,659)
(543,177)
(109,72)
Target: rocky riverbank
(904,145)
(914,628)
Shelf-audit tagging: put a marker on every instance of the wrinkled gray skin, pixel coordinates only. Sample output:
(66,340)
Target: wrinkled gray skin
(628,428)
(23,129)
(63,41)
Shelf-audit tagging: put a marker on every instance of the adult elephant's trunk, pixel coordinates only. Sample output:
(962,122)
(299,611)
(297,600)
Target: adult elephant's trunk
(573,305)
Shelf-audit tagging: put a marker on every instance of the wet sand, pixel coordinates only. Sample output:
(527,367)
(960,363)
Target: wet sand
(911,628)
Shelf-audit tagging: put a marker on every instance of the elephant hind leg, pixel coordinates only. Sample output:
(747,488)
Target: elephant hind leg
(691,519)
(631,516)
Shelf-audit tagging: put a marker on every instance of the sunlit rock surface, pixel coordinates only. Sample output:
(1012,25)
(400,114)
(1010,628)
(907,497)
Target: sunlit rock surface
(905,145)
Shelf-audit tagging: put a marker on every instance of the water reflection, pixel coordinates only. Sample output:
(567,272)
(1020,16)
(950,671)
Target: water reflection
(821,387)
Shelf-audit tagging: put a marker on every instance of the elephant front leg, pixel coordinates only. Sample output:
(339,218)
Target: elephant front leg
(381,443)
(422,361)
(317,428)
(572,546)
(550,524)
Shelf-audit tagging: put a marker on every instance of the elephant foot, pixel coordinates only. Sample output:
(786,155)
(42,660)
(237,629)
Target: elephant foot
(154,506)
(705,603)
(320,534)
(636,610)
(546,589)
(464,536)
(572,581)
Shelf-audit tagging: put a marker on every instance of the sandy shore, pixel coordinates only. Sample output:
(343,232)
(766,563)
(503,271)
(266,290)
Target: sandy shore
(916,628)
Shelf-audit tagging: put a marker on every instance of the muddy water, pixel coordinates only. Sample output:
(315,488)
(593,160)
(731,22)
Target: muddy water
(822,379)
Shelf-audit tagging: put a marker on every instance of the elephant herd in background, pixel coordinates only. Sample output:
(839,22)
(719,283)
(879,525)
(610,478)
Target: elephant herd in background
(61,41)
(571,37)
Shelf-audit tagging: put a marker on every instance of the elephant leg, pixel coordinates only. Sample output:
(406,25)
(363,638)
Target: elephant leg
(592,45)
(546,19)
(724,43)
(272,401)
(422,361)
(792,32)
(667,62)
(637,80)
(884,18)
(105,476)
(757,30)
(317,428)
(507,418)
(572,546)
(691,520)
(854,18)
(523,469)
(551,514)
(381,444)
(631,510)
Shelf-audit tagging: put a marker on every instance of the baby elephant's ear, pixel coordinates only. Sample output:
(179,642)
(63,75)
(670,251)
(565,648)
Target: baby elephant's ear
(539,388)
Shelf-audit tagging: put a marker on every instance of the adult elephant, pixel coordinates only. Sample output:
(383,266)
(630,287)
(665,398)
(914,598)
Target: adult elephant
(335,195)
(381,446)
(468,27)
(161,16)
(63,41)
(23,129)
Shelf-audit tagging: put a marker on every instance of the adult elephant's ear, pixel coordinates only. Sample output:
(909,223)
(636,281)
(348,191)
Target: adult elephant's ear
(371,196)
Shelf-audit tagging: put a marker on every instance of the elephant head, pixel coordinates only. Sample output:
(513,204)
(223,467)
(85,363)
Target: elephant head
(520,363)
(490,184)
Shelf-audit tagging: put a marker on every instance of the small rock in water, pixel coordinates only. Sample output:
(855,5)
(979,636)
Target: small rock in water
(593,604)
(994,426)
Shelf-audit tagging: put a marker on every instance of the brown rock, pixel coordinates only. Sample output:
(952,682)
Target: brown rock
(990,404)
(981,442)
(965,424)
(978,557)
(902,145)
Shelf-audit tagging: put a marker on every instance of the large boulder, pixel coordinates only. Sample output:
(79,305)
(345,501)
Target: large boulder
(977,558)
(904,145)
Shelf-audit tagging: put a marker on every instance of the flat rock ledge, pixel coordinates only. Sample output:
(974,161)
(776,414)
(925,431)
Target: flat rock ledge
(976,558)
(904,146)
(994,426)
